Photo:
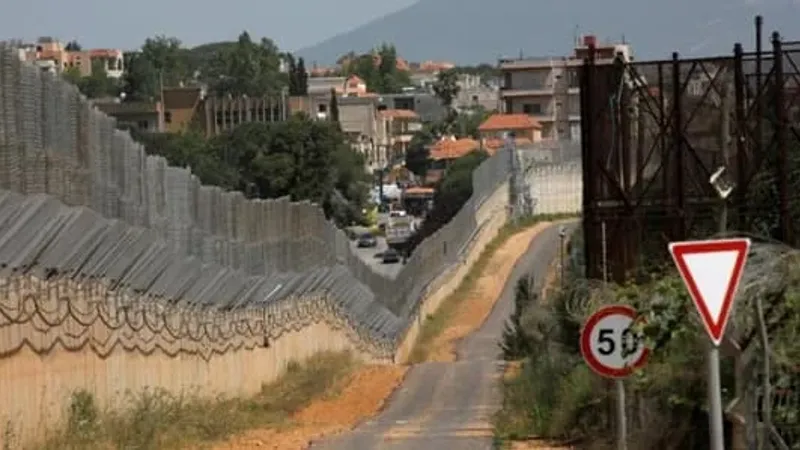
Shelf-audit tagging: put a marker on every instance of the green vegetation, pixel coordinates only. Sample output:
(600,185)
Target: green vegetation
(301,158)
(156,420)
(298,77)
(459,124)
(436,323)
(383,77)
(240,67)
(452,192)
(556,396)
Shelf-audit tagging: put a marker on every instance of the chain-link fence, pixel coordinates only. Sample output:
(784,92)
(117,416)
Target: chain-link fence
(197,245)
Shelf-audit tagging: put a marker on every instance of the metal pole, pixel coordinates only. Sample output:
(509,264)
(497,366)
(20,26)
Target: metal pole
(561,257)
(622,421)
(714,384)
(603,243)
(715,400)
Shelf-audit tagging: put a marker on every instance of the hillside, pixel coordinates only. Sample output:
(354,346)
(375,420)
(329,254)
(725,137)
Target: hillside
(472,31)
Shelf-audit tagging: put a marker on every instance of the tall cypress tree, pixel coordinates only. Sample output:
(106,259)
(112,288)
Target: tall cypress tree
(302,78)
(334,106)
(292,71)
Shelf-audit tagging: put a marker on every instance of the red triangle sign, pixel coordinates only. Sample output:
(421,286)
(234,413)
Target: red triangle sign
(711,271)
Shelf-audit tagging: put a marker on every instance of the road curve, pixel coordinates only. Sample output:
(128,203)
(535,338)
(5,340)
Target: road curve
(448,405)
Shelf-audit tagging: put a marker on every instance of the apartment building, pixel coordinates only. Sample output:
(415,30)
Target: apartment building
(53,56)
(548,89)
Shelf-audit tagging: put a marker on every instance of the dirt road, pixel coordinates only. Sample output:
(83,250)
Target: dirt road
(448,405)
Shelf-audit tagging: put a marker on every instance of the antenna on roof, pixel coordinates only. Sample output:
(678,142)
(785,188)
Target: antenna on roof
(623,38)
(575,36)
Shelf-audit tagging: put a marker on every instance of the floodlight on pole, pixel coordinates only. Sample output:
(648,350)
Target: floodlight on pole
(721,183)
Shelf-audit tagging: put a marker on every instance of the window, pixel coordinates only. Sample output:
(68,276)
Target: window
(532,108)
(573,79)
(322,108)
(143,125)
(168,117)
(507,80)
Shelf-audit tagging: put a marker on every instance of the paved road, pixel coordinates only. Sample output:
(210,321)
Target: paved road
(449,405)
(368,256)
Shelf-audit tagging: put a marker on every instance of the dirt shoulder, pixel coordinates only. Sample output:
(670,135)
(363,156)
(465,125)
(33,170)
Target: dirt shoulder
(362,397)
(474,305)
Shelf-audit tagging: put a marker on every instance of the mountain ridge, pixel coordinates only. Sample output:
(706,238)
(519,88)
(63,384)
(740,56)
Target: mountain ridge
(468,32)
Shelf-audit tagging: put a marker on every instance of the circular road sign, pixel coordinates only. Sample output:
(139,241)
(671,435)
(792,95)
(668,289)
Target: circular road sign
(609,345)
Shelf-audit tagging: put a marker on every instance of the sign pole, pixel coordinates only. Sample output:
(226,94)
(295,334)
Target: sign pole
(622,421)
(717,428)
(711,271)
(715,400)
(614,349)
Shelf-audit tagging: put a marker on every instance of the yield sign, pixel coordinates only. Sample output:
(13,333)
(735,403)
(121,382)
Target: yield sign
(711,271)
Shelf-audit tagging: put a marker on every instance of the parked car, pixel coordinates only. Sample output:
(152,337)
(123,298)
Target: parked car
(367,240)
(391,256)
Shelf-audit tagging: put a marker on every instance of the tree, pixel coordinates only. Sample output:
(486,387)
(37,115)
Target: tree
(72,74)
(334,106)
(98,84)
(446,87)
(167,58)
(73,46)
(418,153)
(452,192)
(516,344)
(382,77)
(140,81)
(160,62)
(291,69)
(248,68)
(302,77)
(192,150)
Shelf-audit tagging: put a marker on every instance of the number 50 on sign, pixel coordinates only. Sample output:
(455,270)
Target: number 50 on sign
(610,345)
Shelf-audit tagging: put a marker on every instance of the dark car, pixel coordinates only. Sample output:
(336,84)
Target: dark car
(367,241)
(391,256)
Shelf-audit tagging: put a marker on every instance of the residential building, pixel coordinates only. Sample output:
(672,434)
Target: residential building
(52,56)
(476,92)
(142,116)
(427,106)
(185,108)
(221,114)
(323,85)
(400,126)
(523,126)
(444,152)
(548,88)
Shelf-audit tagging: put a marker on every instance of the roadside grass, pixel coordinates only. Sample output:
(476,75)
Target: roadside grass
(156,419)
(548,395)
(438,321)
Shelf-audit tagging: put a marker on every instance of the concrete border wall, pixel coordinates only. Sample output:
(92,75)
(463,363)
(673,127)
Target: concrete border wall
(119,272)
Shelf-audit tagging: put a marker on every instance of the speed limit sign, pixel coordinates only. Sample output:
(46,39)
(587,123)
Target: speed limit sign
(610,345)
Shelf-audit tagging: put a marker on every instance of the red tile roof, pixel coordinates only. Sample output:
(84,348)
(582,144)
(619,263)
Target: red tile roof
(492,145)
(502,122)
(453,149)
(418,191)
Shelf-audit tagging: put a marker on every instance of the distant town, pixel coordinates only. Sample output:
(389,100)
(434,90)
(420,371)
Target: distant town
(539,96)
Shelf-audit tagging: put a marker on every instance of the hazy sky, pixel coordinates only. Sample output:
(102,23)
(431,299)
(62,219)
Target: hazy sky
(293,24)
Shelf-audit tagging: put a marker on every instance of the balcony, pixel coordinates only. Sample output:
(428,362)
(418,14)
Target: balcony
(527,92)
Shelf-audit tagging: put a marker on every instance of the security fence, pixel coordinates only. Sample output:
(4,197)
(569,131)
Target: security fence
(197,245)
